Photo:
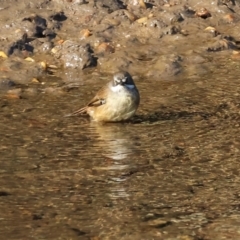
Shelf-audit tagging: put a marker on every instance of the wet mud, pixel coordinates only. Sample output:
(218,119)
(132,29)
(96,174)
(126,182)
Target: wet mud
(171,172)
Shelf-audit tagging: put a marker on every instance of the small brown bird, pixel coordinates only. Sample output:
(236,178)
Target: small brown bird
(116,101)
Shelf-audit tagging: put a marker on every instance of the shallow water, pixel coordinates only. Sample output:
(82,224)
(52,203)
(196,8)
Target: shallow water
(172,172)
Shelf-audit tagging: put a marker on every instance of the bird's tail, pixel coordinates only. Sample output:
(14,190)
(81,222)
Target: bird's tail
(78,112)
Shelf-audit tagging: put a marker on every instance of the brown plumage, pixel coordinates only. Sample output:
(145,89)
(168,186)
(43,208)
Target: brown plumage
(116,101)
(95,102)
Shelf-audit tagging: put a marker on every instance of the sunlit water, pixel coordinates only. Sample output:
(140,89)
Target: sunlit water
(173,170)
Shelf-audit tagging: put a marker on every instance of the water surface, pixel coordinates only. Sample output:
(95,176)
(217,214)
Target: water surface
(172,172)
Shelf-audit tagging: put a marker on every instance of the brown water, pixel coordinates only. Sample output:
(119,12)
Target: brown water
(170,173)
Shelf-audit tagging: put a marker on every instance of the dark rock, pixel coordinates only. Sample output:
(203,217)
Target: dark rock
(78,231)
(4,194)
(171,30)
(49,33)
(222,43)
(21,47)
(39,23)
(6,83)
(187,12)
(156,23)
(59,16)
(111,5)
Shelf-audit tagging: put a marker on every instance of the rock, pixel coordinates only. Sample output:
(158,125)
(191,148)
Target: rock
(171,30)
(156,23)
(166,66)
(114,62)
(46,47)
(203,13)
(222,43)
(111,5)
(6,84)
(53,91)
(31,92)
(14,93)
(39,24)
(21,47)
(21,71)
(104,47)
(158,223)
(58,16)
(75,55)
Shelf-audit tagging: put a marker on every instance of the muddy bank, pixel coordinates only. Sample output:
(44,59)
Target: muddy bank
(172,172)
(157,39)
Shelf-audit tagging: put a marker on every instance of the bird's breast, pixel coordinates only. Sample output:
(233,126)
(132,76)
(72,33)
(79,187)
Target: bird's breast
(117,88)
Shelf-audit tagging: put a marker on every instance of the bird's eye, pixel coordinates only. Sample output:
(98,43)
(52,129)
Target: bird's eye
(124,79)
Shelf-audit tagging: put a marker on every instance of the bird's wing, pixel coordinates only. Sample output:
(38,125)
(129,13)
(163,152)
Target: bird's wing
(95,102)
(99,99)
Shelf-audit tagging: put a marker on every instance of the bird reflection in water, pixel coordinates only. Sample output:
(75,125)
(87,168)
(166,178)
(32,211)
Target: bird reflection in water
(114,140)
(117,146)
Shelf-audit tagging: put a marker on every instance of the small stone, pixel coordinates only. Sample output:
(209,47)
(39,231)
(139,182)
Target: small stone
(142,20)
(3,55)
(29,59)
(203,13)
(35,80)
(159,223)
(14,93)
(229,18)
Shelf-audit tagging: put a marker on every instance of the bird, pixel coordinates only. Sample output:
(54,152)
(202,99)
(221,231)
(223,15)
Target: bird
(117,101)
